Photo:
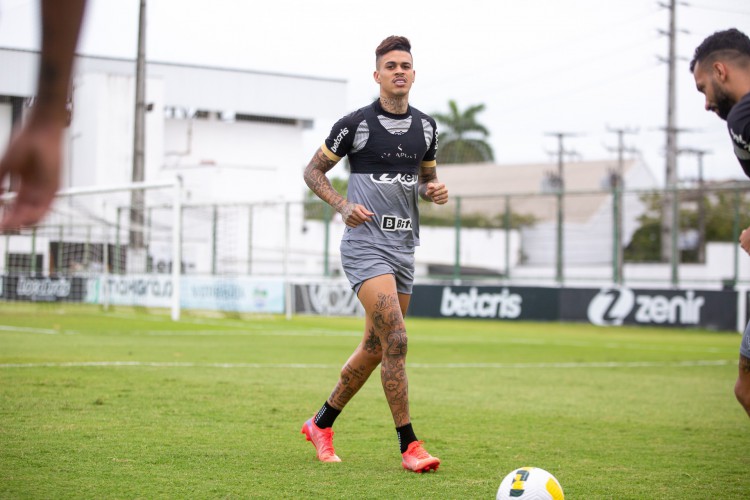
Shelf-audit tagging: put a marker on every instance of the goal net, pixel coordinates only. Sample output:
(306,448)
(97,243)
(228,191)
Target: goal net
(102,245)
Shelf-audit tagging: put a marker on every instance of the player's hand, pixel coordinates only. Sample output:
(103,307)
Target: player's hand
(354,214)
(745,240)
(437,192)
(33,156)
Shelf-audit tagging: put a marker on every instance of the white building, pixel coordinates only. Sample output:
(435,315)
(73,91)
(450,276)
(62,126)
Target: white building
(233,135)
(532,191)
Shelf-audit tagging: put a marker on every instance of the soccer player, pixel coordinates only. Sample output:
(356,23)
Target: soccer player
(391,148)
(34,153)
(721,68)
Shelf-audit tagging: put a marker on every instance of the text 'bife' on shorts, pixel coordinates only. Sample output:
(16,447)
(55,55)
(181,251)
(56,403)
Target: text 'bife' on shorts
(363,260)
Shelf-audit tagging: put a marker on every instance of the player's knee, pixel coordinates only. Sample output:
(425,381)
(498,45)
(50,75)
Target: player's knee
(397,344)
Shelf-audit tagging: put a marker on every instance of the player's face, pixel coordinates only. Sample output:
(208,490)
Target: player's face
(717,100)
(395,73)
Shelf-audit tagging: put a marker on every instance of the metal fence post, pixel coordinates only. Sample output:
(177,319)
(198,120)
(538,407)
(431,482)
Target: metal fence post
(457,255)
(736,237)
(116,263)
(214,237)
(675,259)
(177,250)
(560,239)
(6,258)
(507,225)
(33,251)
(58,265)
(249,239)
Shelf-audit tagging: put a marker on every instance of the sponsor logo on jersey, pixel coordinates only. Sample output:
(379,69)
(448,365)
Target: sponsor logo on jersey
(337,141)
(741,147)
(739,140)
(404,179)
(399,153)
(393,223)
(612,306)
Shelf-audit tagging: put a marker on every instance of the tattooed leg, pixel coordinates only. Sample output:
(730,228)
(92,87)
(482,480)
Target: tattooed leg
(383,307)
(357,369)
(742,387)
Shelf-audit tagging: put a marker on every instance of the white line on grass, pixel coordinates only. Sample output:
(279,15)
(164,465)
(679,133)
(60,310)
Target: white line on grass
(281,333)
(26,329)
(265,331)
(519,366)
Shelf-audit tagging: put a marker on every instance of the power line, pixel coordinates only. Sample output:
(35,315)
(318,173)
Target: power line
(715,9)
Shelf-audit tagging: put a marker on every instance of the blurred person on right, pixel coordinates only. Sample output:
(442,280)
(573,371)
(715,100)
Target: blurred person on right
(721,68)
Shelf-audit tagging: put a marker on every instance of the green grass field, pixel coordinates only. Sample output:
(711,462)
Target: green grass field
(127,405)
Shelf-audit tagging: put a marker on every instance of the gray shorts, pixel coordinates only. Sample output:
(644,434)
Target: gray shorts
(363,260)
(745,345)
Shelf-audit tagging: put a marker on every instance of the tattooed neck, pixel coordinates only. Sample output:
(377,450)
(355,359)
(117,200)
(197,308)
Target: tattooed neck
(395,105)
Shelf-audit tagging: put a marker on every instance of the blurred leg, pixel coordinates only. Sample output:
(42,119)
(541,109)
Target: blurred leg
(742,387)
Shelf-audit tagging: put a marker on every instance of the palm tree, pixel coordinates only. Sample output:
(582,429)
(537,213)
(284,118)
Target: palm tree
(462,139)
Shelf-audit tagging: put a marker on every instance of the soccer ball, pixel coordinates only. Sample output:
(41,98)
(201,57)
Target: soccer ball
(530,483)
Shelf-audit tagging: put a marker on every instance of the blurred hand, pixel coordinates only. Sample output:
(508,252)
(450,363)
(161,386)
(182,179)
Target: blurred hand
(745,240)
(33,157)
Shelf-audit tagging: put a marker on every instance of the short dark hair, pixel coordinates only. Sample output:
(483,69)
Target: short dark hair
(393,42)
(727,44)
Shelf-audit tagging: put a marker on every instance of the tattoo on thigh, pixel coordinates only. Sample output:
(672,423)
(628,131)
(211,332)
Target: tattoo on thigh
(386,302)
(387,315)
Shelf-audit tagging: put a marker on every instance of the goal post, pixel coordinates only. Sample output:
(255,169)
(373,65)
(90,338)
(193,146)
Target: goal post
(97,246)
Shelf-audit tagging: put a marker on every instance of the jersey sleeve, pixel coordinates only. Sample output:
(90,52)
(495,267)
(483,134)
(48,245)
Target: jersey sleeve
(429,158)
(738,123)
(339,142)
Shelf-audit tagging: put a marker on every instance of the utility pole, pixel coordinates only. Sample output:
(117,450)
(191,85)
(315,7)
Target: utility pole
(699,153)
(670,207)
(561,152)
(139,142)
(618,186)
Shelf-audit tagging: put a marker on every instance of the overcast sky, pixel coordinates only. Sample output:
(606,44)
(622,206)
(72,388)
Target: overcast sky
(539,66)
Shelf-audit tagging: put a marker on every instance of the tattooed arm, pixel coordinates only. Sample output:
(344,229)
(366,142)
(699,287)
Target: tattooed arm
(430,189)
(315,178)
(33,156)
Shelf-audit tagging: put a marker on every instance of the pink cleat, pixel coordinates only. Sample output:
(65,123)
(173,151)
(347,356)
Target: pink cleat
(322,439)
(416,458)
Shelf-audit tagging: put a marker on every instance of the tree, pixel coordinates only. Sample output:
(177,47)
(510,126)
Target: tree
(462,138)
(721,208)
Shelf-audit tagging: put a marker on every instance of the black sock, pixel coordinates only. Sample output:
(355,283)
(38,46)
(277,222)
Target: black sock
(326,416)
(406,436)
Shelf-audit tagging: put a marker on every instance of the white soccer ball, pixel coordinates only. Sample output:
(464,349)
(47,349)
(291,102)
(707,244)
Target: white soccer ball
(530,483)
